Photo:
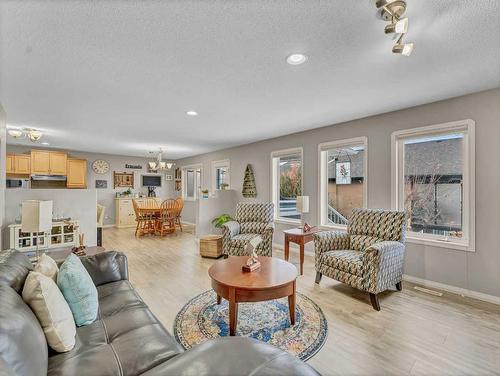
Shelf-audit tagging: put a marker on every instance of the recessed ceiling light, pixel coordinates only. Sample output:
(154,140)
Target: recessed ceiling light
(191,113)
(296,59)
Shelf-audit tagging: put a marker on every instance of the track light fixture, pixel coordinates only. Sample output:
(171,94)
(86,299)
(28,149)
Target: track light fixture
(392,11)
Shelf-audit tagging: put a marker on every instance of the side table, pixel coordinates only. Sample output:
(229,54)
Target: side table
(298,236)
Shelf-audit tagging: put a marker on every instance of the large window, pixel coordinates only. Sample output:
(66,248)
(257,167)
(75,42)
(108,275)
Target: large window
(342,180)
(286,183)
(220,175)
(433,181)
(191,182)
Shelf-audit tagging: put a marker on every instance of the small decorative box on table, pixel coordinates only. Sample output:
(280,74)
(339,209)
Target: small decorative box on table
(211,246)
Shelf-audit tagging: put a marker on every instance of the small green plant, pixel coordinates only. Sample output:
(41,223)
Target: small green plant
(219,221)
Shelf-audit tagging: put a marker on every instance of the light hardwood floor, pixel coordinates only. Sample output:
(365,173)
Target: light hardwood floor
(414,333)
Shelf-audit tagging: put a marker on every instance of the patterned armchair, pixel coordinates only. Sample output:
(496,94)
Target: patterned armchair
(252,218)
(369,257)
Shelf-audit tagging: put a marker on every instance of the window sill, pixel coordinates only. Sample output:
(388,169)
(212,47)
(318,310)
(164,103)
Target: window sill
(458,246)
(287,221)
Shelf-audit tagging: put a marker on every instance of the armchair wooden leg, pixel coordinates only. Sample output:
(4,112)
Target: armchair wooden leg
(318,277)
(399,286)
(225,256)
(375,302)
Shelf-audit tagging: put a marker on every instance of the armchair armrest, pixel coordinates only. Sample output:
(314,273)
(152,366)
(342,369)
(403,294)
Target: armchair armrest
(269,227)
(106,267)
(325,241)
(230,229)
(383,265)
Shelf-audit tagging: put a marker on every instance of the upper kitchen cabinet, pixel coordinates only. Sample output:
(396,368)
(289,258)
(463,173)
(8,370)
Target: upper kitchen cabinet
(48,162)
(77,173)
(18,164)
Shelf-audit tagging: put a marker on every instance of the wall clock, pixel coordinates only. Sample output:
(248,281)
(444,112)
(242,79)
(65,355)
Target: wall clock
(100,166)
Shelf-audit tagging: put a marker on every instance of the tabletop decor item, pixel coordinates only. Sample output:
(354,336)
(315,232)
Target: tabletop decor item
(302,208)
(202,319)
(253,262)
(249,188)
(36,217)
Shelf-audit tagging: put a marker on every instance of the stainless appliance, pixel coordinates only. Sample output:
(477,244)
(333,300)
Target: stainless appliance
(48,177)
(18,183)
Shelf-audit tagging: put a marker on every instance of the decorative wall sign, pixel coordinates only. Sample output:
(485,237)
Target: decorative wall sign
(343,173)
(133,167)
(249,188)
(123,179)
(102,184)
(169,177)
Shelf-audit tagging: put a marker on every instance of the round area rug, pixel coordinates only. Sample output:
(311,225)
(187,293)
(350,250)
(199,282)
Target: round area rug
(202,319)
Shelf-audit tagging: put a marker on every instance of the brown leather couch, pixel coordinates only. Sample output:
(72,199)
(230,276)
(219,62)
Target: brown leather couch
(126,339)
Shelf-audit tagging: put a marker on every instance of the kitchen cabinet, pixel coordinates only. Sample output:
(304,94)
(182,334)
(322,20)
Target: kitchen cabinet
(48,162)
(76,173)
(9,168)
(18,164)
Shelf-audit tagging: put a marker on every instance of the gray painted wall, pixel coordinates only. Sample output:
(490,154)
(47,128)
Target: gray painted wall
(477,271)
(3,137)
(116,163)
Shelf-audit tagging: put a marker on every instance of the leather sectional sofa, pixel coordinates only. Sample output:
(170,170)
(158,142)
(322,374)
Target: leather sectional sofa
(126,339)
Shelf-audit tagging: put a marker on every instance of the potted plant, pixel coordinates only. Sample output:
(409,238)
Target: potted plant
(220,220)
(204,193)
(224,186)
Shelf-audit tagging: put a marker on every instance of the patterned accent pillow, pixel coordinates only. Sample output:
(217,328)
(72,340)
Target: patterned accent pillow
(47,303)
(78,290)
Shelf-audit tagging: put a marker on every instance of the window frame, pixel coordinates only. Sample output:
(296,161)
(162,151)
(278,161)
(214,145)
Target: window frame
(323,176)
(467,128)
(275,181)
(184,181)
(215,166)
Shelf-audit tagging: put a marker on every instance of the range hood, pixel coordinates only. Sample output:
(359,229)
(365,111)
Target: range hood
(48,177)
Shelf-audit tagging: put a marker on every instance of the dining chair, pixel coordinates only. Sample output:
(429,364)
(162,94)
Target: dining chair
(145,219)
(150,203)
(179,205)
(165,223)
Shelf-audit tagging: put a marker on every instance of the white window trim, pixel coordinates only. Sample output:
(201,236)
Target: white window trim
(275,188)
(218,164)
(323,175)
(183,181)
(467,126)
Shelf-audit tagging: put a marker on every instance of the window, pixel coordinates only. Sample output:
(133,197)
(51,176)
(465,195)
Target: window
(342,180)
(286,183)
(191,182)
(220,175)
(433,180)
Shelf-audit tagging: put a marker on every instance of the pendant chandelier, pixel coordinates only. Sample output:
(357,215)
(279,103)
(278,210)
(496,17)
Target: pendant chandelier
(158,164)
(393,12)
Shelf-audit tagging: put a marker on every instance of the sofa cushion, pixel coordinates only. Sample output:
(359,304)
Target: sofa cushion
(347,261)
(233,356)
(47,266)
(23,348)
(126,339)
(14,268)
(78,290)
(43,296)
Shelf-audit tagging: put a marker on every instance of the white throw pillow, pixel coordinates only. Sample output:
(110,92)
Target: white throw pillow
(47,302)
(47,266)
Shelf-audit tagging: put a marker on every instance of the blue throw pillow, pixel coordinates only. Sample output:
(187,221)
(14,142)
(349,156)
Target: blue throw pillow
(79,290)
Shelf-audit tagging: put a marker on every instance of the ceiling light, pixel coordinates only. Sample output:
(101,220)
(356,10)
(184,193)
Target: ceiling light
(296,59)
(400,27)
(191,113)
(159,164)
(16,133)
(404,49)
(45,143)
(34,135)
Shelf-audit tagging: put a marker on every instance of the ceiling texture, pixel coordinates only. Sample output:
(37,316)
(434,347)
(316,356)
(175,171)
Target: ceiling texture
(118,76)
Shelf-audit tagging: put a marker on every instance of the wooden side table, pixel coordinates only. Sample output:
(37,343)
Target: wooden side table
(298,236)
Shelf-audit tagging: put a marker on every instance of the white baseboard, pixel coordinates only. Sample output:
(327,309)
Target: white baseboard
(188,223)
(453,289)
(108,226)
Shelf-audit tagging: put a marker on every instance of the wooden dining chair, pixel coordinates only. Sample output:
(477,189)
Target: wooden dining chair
(150,203)
(145,219)
(165,223)
(179,204)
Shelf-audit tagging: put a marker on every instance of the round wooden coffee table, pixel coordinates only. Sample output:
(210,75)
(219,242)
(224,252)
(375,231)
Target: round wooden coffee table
(274,279)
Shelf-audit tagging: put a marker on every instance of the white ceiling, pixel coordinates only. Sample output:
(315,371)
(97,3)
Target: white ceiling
(118,76)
